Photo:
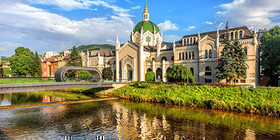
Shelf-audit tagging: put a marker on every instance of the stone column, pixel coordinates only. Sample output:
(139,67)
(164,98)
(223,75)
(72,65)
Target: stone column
(163,71)
(141,70)
(117,67)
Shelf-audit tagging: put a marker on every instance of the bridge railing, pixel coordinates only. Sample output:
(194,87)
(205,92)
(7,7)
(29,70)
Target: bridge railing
(36,80)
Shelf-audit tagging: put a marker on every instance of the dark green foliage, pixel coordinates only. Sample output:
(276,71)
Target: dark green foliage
(231,65)
(35,67)
(141,85)
(107,73)
(180,73)
(21,61)
(84,74)
(250,100)
(7,72)
(5,59)
(95,46)
(270,58)
(74,60)
(150,76)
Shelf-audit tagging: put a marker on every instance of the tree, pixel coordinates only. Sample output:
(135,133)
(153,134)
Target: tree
(36,68)
(107,73)
(74,60)
(150,76)
(84,74)
(21,61)
(270,55)
(180,73)
(231,65)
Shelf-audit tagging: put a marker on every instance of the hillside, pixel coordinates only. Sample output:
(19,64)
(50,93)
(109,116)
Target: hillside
(96,46)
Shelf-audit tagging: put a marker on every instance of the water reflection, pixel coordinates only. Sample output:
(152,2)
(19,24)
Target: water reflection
(26,98)
(127,120)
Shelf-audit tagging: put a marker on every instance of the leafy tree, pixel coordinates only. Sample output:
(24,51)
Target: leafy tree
(84,74)
(36,68)
(21,61)
(180,73)
(74,60)
(107,73)
(270,54)
(6,71)
(231,65)
(150,76)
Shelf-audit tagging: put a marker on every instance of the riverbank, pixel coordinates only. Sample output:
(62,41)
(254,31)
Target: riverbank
(250,100)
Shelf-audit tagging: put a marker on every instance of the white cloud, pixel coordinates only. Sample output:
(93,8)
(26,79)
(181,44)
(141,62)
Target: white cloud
(7,48)
(136,7)
(168,25)
(41,31)
(190,28)
(208,22)
(252,13)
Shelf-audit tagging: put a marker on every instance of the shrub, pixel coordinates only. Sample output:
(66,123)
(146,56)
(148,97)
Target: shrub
(107,73)
(141,85)
(150,76)
(180,73)
(84,74)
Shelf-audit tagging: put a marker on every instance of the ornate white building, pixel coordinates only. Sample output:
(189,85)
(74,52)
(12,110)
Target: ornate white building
(200,52)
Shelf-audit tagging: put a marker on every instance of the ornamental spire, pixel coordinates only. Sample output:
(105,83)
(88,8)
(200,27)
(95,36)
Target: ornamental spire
(146,13)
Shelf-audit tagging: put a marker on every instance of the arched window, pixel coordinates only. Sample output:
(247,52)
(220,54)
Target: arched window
(194,41)
(148,39)
(149,69)
(246,50)
(191,41)
(172,58)
(159,74)
(190,55)
(163,58)
(168,70)
(188,41)
(180,56)
(240,34)
(236,34)
(186,55)
(206,54)
(210,53)
(208,71)
(183,56)
(231,35)
(185,42)
(192,70)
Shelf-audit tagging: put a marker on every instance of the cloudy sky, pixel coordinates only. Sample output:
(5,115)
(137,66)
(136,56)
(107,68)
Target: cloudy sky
(57,25)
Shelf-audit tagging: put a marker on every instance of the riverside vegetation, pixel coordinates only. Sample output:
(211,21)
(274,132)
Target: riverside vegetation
(251,100)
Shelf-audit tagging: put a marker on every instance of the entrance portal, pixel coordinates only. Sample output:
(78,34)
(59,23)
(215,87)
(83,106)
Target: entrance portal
(129,73)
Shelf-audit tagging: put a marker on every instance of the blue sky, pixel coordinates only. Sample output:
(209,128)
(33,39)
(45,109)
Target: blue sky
(57,25)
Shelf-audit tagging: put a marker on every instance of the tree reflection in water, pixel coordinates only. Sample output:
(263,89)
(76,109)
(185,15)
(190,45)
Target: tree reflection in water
(128,120)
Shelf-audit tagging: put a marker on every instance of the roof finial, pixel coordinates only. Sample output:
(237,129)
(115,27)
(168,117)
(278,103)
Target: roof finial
(146,8)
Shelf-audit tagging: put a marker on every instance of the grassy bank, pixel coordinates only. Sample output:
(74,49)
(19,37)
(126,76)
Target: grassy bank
(25,80)
(252,100)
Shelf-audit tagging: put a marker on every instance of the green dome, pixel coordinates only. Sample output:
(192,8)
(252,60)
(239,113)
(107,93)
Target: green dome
(147,26)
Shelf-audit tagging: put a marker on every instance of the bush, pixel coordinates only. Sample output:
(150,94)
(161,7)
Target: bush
(84,74)
(107,73)
(180,73)
(141,85)
(150,76)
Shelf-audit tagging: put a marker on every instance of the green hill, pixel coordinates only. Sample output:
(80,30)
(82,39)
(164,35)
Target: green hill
(96,46)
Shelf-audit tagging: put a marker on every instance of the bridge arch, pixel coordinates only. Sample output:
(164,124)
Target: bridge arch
(60,73)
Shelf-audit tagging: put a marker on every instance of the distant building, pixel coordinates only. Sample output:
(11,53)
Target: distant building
(50,54)
(50,65)
(66,53)
(2,69)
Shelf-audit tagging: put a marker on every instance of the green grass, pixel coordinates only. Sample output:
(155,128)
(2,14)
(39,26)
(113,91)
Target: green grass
(25,80)
(66,95)
(250,100)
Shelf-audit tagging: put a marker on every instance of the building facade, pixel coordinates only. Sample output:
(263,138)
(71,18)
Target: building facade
(199,52)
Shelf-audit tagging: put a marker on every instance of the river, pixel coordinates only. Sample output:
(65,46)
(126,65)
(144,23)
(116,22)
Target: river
(123,119)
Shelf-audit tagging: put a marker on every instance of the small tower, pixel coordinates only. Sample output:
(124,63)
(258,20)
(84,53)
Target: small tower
(146,14)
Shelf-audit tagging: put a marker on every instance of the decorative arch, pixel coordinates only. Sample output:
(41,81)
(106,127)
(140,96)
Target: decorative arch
(159,74)
(163,58)
(60,73)
(208,74)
